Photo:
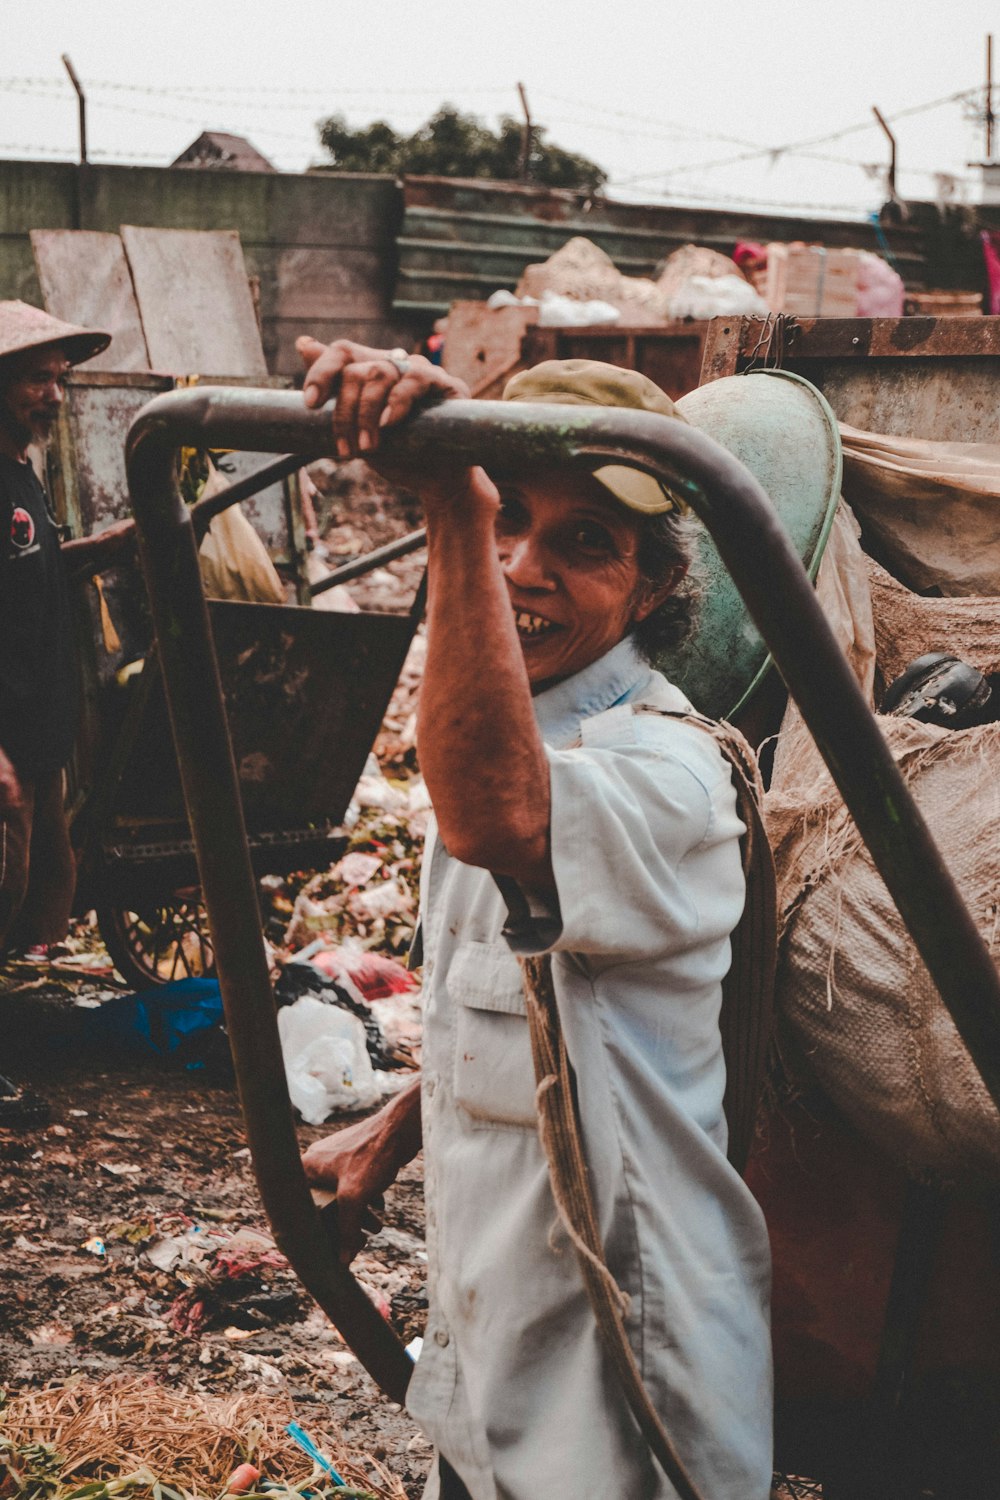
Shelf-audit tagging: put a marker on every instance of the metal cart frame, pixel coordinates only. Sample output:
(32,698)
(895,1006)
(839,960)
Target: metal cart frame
(780,599)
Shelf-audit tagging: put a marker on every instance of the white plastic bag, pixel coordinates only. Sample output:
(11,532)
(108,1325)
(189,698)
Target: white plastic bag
(326,1061)
(557,311)
(717,296)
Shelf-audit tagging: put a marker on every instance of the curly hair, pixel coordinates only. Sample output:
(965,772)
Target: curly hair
(666,541)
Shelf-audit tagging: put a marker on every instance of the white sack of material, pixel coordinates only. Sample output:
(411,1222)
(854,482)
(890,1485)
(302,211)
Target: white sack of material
(717,297)
(233,559)
(557,311)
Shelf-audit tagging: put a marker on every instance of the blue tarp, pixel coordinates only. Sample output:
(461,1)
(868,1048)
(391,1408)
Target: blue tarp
(183,1017)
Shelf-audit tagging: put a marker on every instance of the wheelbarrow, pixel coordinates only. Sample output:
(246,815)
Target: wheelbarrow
(284,673)
(779,597)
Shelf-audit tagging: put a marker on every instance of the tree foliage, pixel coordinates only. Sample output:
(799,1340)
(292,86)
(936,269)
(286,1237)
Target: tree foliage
(452,144)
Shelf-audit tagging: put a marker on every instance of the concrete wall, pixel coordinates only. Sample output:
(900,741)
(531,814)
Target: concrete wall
(323,247)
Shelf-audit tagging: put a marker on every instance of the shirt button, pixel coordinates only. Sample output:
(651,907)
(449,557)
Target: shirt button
(442,1338)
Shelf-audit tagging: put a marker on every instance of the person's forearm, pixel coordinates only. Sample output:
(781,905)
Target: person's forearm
(86,555)
(480,750)
(361,1160)
(403,1122)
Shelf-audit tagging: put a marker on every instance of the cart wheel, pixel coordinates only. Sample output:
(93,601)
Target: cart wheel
(160,944)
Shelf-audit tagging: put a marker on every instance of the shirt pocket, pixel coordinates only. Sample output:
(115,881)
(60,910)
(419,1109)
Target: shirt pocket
(494,1073)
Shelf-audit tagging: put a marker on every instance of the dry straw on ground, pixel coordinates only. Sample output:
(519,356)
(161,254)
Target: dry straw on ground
(188,1440)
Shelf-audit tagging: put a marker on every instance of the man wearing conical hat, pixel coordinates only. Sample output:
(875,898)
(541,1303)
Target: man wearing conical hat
(37,663)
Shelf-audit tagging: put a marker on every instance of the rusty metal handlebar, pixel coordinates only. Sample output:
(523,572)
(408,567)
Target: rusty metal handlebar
(779,596)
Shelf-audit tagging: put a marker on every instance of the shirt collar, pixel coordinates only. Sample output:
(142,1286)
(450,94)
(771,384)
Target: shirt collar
(619,676)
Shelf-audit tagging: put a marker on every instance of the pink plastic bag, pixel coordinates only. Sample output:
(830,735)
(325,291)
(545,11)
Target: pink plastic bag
(991,255)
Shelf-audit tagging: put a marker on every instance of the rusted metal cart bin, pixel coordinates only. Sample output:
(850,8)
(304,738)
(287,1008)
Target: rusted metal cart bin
(297,680)
(781,601)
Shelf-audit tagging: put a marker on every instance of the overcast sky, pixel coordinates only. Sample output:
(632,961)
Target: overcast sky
(664,95)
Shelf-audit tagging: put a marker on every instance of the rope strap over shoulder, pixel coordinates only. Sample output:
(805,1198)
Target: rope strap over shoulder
(745,1022)
(559,1126)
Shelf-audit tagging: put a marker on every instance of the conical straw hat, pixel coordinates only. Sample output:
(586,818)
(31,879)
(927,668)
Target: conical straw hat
(25,327)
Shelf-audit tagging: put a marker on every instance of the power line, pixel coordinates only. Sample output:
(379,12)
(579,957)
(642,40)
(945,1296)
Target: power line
(247,98)
(799,147)
(44,88)
(67,154)
(37,150)
(679,131)
(740,200)
(560,122)
(869,168)
(246,90)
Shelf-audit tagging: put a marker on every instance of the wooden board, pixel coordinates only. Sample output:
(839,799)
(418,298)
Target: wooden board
(85,279)
(195,303)
(812,281)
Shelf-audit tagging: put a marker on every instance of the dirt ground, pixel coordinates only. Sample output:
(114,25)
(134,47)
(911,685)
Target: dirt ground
(130,1227)
(133,1156)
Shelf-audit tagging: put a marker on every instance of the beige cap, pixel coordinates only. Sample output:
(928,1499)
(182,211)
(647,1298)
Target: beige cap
(25,327)
(590,382)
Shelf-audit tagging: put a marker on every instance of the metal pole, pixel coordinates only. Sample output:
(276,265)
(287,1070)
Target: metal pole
(82,103)
(989,97)
(779,597)
(169,556)
(204,512)
(524,168)
(891,179)
(402,547)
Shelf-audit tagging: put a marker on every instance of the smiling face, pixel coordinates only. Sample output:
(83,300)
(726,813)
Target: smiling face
(570,556)
(31,394)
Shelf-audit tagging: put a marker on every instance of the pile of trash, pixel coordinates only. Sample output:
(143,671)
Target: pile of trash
(696,282)
(581,271)
(580,285)
(349,1008)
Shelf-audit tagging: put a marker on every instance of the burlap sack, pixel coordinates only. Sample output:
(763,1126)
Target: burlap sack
(844,592)
(582,270)
(908,625)
(931,509)
(688,261)
(851,987)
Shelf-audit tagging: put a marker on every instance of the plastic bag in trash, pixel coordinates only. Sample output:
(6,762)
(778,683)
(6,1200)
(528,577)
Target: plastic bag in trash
(301,977)
(326,1061)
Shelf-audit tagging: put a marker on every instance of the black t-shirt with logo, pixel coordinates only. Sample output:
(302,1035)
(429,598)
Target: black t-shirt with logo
(38,688)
